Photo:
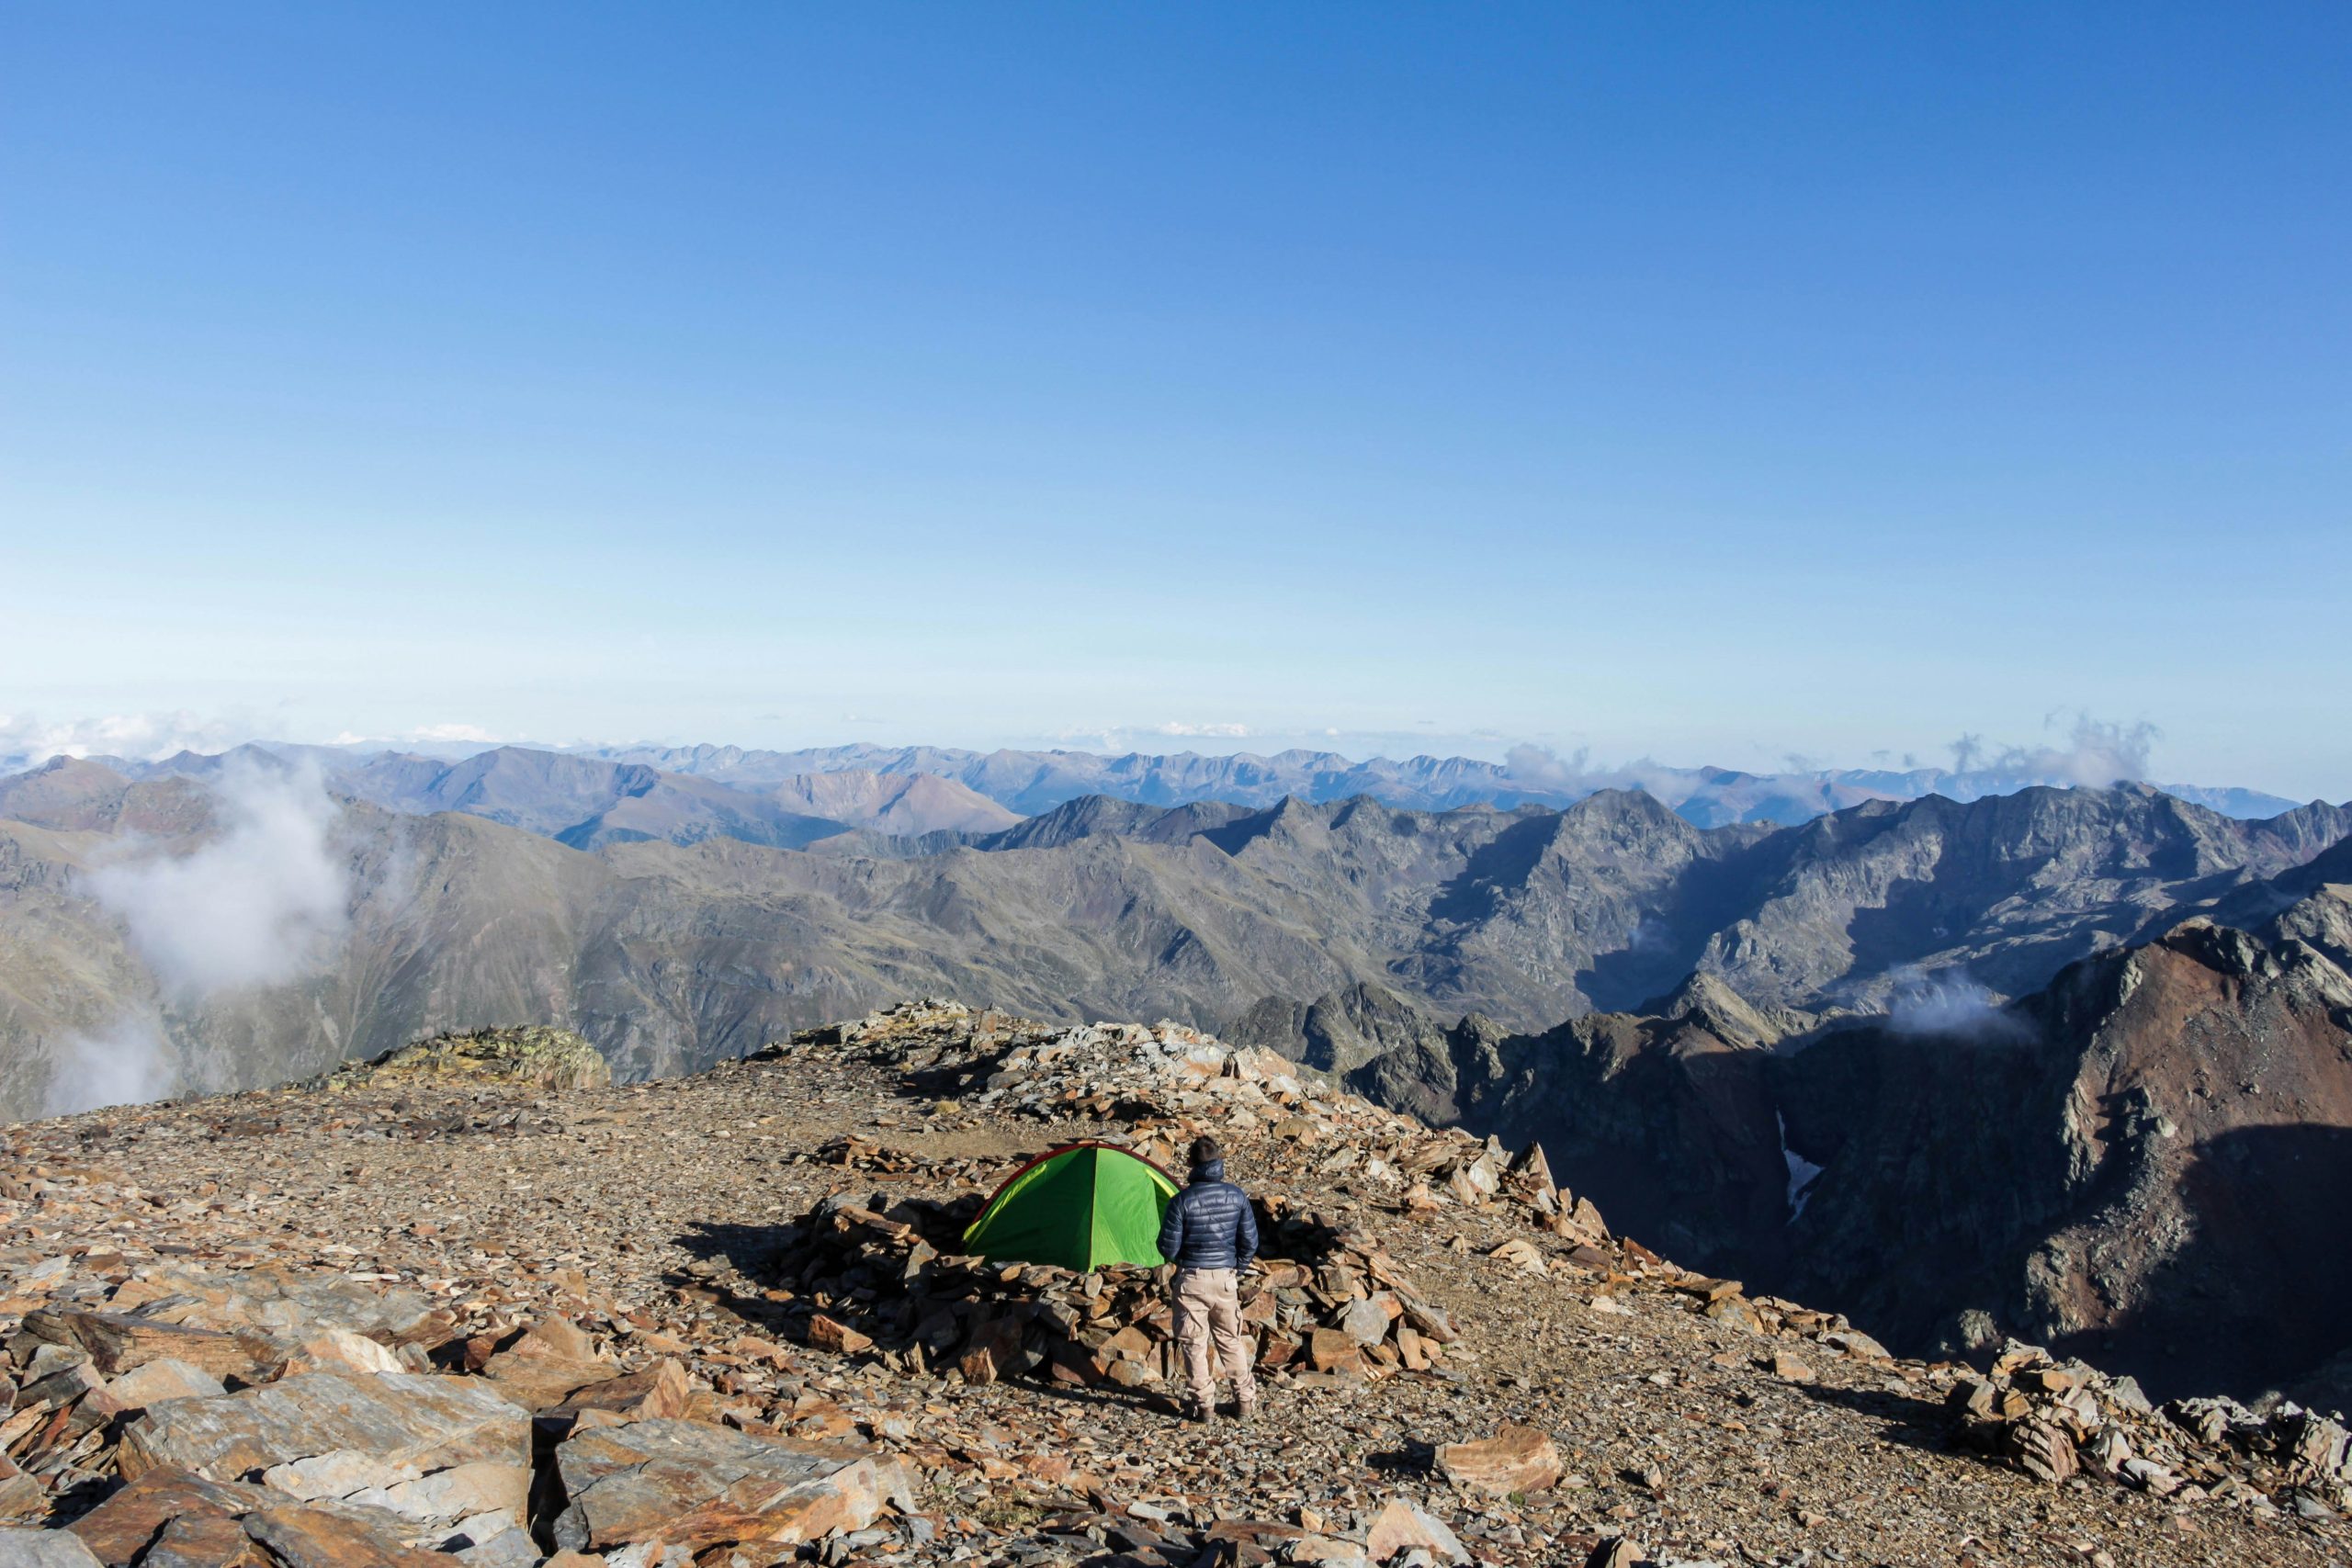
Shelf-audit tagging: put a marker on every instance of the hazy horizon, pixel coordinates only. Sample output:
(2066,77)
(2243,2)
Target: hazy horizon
(2089,752)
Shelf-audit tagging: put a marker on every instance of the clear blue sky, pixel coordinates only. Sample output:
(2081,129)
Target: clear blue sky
(1711,382)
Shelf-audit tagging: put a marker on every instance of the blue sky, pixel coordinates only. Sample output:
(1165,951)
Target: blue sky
(1716,383)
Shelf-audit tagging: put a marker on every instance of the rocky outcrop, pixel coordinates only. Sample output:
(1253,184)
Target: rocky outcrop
(2129,1164)
(1665,1118)
(528,1058)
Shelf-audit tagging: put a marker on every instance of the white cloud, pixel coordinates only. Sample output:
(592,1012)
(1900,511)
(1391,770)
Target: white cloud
(124,1064)
(257,906)
(25,741)
(467,733)
(1218,731)
(2097,754)
(1949,1004)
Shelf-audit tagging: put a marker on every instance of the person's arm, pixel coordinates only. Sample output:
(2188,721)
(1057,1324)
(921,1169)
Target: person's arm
(1171,1228)
(1245,1236)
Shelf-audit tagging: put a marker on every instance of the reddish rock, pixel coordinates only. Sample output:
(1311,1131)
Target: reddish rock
(1401,1527)
(694,1485)
(334,1537)
(118,1529)
(826,1334)
(660,1390)
(1516,1459)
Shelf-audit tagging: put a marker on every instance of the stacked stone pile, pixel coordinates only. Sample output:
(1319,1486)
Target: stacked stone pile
(1322,1303)
(2057,1420)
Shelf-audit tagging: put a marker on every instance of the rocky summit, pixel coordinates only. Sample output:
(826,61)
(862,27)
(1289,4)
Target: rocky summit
(468,1304)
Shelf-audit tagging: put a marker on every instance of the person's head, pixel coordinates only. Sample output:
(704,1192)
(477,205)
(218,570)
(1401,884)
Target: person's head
(1205,1152)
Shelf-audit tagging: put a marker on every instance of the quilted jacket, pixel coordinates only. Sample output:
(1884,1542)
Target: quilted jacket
(1209,1224)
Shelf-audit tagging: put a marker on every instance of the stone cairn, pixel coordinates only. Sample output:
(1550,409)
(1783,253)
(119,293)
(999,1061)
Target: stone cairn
(2055,1420)
(879,1276)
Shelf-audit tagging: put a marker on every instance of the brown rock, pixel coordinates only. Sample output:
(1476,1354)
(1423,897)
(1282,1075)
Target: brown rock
(118,1529)
(1427,1320)
(156,1382)
(660,1390)
(205,1540)
(1331,1351)
(1401,1527)
(1789,1368)
(1516,1459)
(541,1367)
(407,1422)
(116,1343)
(23,1500)
(2041,1450)
(694,1484)
(826,1334)
(339,1350)
(334,1537)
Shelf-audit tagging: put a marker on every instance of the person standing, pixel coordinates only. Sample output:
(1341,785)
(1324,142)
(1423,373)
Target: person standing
(1210,1234)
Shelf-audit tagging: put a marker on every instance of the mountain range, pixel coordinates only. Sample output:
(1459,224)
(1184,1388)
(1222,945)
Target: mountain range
(546,894)
(1778,1049)
(1027,783)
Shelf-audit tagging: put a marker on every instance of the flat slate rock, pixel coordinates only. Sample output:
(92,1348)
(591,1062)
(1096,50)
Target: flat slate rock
(118,1529)
(694,1484)
(43,1549)
(410,1424)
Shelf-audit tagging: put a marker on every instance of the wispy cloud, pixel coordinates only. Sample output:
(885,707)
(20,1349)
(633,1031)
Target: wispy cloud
(457,733)
(126,1063)
(2097,753)
(1949,1003)
(258,905)
(25,738)
(1216,731)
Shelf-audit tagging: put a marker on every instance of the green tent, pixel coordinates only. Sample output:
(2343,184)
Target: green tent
(1081,1207)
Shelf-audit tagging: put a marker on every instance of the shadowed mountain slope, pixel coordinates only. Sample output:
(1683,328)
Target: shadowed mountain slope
(2138,1162)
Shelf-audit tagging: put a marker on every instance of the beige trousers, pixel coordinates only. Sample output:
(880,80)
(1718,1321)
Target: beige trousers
(1208,1307)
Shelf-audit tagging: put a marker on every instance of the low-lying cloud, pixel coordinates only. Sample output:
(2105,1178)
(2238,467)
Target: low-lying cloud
(2096,755)
(126,1063)
(25,739)
(1949,1004)
(259,905)
(1214,730)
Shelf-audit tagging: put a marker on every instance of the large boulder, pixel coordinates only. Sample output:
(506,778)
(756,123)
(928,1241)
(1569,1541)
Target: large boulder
(692,1484)
(419,1453)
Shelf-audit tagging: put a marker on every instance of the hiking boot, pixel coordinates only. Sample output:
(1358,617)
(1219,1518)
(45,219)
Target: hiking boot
(1246,1412)
(1201,1415)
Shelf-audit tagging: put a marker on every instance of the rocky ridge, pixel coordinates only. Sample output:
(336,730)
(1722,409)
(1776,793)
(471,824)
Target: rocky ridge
(408,1318)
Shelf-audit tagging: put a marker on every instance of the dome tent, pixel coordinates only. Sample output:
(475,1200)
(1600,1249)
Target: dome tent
(1083,1206)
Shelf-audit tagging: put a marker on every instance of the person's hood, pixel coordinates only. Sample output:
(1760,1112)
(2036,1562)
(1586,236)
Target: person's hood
(1212,1172)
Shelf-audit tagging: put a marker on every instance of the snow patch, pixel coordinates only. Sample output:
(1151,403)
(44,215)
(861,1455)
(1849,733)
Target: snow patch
(1801,1171)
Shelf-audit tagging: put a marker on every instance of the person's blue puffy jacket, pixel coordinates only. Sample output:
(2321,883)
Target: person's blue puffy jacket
(1209,1224)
